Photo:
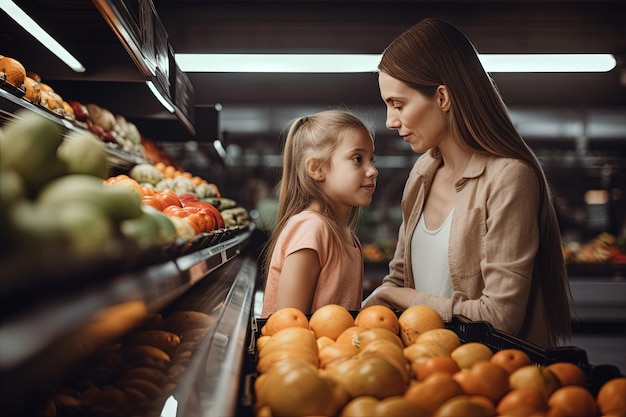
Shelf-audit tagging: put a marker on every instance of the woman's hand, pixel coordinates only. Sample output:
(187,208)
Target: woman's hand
(396,298)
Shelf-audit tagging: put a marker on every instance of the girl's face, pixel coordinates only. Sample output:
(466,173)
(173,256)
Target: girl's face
(350,179)
(418,119)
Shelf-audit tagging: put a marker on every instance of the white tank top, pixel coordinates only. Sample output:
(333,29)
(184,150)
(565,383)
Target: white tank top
(429,255)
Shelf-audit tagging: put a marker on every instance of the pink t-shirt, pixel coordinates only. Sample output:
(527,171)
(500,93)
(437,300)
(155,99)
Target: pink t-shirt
(341,277)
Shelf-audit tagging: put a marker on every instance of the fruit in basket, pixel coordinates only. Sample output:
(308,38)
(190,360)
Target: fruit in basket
(389,351)
(434,391)
(417,353)
(568,373)
(284,318)
(378,316)
(522,402)
(470,353)
(12,71)
(396,406)
(299,391)
(462,405)
(364,337)
(416,320)
(484,378)
(444,337)
(330,320)
(611,398)
(572,401)
(335,351)
(436,364)
(370,375)
(532,376)
(511,359)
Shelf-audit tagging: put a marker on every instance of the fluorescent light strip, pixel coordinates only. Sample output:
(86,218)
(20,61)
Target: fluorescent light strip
(342,63)
(41,35)
(160,97)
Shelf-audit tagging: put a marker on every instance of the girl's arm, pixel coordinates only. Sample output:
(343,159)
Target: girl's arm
(298,280)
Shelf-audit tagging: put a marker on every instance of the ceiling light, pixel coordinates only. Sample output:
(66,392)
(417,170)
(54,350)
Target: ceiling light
(41,35)
(548,62)
(351,63)
(160,97)
(311,63)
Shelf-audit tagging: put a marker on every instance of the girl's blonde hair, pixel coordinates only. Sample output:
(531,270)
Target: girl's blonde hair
(315,136)
(433,53)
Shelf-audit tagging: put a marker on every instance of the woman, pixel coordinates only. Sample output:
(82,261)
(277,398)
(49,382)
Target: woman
(479,234)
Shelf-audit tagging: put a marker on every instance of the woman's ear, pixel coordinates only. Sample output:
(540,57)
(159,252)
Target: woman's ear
(314,168)
(443,98)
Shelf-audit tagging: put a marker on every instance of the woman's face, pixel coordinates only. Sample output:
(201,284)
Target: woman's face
(418,119)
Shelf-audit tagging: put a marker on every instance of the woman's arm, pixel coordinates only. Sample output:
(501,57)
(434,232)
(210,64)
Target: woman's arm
(298,280)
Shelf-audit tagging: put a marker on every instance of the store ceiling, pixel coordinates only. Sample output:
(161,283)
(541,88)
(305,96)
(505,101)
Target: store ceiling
(256,106)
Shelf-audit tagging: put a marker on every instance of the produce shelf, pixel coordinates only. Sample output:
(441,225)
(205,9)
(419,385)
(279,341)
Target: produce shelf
(43,339)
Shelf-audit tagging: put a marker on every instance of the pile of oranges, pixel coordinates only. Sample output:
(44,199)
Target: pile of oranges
(380,364)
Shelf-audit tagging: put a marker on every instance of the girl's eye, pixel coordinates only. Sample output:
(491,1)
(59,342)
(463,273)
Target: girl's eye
(358,159)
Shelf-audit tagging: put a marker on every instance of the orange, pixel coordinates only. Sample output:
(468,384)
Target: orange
(417,353)
(468,354)
(349,335)
(436,364)
(568,373)
(431,393)
(463,405)
(330,320)
(304,339)
(324,341)
(522,402)
(396,406)
(484,378)
(361,339)
(335,351)
(416,320)
(531,376)
(572,401)
(13,71)
(387,350)
(371,375)
(485,403)
(611,398)
(377,316)
(445,337)
(298,390)
(511,359)
(283,318)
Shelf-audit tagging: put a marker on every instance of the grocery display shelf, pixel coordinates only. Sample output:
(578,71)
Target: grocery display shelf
(10,103)
(40,341)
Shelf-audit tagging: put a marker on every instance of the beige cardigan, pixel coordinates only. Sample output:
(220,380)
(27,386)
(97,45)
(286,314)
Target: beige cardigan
(493,241)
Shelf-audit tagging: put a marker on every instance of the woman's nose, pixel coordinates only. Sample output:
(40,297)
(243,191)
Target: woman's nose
(392,122)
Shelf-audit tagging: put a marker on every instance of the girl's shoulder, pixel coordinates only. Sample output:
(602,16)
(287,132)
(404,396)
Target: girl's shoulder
(306,216)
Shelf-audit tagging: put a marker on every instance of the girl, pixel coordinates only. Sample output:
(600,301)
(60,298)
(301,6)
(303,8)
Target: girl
(313,256)
(479,234)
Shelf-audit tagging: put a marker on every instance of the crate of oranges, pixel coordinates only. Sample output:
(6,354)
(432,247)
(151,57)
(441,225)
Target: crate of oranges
(379,362)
